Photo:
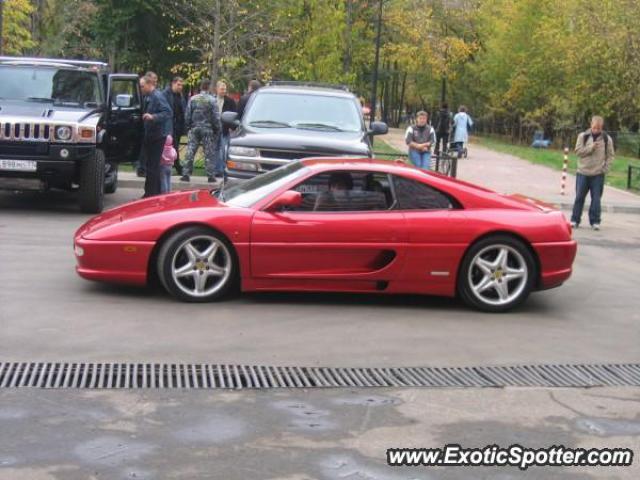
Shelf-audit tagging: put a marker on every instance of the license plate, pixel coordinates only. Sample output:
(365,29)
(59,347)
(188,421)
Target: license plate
(19,165)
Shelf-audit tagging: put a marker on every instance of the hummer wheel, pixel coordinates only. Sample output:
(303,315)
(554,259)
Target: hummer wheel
(91,191)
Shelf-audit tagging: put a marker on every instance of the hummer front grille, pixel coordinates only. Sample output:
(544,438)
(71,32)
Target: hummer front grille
(26,131)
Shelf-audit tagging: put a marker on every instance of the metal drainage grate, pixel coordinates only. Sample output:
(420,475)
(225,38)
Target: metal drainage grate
(212,376)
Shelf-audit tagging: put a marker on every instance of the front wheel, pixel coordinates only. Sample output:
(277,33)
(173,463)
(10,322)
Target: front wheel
(197,265)
(91,190)
(497,274)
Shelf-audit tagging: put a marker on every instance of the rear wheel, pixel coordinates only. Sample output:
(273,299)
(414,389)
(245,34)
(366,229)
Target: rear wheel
(91,191)
(497,274)
(197,265)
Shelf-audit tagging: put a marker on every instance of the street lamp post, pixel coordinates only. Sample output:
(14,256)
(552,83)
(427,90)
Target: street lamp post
(1,19)
(374,87)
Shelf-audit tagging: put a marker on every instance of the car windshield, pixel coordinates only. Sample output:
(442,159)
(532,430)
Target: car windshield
(73,88)
(307,112)
(249,192)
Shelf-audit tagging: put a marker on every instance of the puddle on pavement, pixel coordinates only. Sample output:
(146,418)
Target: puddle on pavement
(606,427)
(212,429)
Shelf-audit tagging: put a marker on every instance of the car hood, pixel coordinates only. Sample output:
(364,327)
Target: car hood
(45,111)
(295,139)
(159,205)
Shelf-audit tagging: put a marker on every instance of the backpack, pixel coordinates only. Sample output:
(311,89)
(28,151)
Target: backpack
(604,134)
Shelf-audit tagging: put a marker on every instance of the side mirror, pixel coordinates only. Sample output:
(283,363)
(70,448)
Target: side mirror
(378,128)
(124,100)
(290,198)
(230,119)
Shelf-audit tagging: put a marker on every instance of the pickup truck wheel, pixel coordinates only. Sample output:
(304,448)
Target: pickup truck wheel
(91,189)
(111,179)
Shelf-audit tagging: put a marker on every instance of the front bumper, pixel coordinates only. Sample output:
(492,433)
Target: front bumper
(113,262)
(56,163)
(556,262)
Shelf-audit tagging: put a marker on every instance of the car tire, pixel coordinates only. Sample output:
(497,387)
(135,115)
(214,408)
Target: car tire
(497,274)
(111,185)
(91,191)
(188,270)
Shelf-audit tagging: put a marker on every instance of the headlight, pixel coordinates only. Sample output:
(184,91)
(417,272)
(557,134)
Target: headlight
(87,133)
(243,151)
(63,133)
(79,251)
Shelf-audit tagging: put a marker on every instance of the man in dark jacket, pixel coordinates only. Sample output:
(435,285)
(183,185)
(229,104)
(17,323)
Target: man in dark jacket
(225,104)
(157,118)
(442,127)
(242,104)
(178,104)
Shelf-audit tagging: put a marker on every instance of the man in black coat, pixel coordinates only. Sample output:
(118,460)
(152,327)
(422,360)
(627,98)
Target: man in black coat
(178,104)
(242,104)
(225,104)
(158,119)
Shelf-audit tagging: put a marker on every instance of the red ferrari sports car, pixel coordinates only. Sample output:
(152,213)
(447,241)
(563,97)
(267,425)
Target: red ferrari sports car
(347,225)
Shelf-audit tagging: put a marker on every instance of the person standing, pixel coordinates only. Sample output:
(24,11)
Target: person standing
(442,127)
(202,121)
(595,151)
(141,167)
(421,139)
(178,104)
(242,104)
(225,104)
(462,123)
(157,118)
(169,156)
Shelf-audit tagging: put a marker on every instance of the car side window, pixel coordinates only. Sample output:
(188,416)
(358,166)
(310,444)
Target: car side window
(346,191)
(127,87)
(414,195)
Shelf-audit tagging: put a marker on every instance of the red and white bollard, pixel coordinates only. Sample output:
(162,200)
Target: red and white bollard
(564,171)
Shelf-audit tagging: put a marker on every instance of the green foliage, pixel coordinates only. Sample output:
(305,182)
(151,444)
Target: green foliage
(16,33)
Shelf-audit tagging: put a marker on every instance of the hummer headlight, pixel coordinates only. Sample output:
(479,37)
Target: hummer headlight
(63,133)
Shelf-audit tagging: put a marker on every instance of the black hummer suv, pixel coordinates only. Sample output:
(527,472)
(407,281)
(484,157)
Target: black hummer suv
(67,124)
(286,121)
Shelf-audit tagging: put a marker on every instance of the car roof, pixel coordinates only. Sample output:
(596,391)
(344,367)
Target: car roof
(84,65)
(364,163)
(306,89)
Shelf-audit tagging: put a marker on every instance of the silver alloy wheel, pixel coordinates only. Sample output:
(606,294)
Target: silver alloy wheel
(498,274)
(201,266)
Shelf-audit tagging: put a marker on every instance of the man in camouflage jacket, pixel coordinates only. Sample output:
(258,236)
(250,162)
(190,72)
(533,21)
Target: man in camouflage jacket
(202,120)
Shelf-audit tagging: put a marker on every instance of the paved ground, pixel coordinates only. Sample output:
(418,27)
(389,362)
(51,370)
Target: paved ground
(49,313)
(302,435)
(509,174)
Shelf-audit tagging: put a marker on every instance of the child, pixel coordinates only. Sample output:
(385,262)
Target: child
(169,156)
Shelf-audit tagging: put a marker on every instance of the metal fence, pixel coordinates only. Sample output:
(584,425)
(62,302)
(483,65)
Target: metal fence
(633,178)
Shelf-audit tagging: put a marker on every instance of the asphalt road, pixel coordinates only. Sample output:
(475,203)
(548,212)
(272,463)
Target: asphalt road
(302,435)
(48,313)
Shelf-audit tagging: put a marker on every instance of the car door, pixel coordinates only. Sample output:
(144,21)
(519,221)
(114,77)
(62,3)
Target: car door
(436,240)
(124,121)
(355,243)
